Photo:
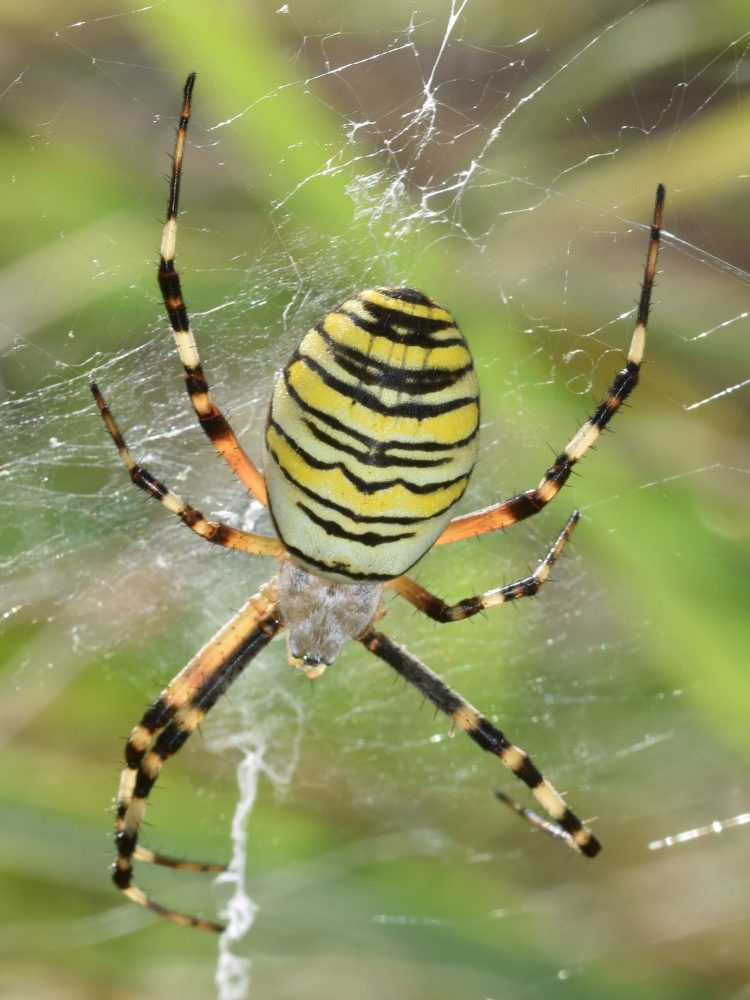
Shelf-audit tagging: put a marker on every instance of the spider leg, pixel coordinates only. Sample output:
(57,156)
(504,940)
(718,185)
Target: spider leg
(168,861)
(210,417)
(485,735)
(212,531)
(435,608)
(530,817)
(165,727)
(523,505)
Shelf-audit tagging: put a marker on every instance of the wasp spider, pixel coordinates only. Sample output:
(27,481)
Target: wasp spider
(370,442)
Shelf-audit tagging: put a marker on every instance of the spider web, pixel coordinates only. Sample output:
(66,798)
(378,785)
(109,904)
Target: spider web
(505,162)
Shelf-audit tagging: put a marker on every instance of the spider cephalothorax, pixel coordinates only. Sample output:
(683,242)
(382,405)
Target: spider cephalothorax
(370,442)
(322,615)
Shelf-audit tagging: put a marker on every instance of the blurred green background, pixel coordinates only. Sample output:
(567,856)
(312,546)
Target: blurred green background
(505,161)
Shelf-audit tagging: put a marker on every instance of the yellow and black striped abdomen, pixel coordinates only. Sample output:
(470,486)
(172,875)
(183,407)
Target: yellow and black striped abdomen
(372,435)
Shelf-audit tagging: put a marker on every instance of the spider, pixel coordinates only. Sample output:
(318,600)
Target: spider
(370,442)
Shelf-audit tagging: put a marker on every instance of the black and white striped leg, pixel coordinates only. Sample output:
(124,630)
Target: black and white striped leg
(212,531)
(485,735)
(210,417)
(166,726)
(523,505)
(529,585)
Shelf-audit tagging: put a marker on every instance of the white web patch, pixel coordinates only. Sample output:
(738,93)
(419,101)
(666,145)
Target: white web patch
(506,165)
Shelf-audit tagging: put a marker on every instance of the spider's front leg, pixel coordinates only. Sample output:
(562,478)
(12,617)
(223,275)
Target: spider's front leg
(576,834)
(437,609)
(166,726)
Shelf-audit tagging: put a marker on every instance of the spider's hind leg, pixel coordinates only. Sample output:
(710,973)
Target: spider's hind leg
(215,425)
(530,502)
